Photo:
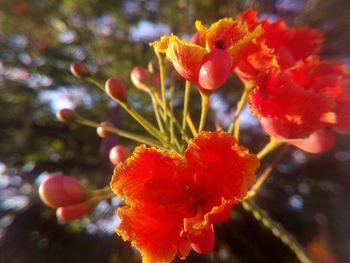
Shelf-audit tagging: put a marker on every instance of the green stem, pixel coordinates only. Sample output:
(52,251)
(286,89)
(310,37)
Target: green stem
(204,113)
(148,126)
(265,174)
(171,117)
(185,108)
(191,125)
(100,194)
(277,230)
(171,106)
(122,133)
(234,127)
(96,83)
(272,145)
(156,113)
(162,85)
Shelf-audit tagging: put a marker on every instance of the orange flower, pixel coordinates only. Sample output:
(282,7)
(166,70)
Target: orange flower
(209,62)
(300,105)
(172,201)
(279,46)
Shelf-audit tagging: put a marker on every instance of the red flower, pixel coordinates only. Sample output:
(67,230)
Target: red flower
(279,46)
(301,104)
(208,62)
(172,201)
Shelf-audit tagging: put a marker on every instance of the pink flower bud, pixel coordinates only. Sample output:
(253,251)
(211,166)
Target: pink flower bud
(215,69)
(59,190)
(204,242)
(115,89)
(73,212)
(140,77)
(79,70)
(66,115)
(118,154)
(101,131)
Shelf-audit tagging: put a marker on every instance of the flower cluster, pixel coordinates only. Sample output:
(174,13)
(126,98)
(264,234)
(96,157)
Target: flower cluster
(177,189)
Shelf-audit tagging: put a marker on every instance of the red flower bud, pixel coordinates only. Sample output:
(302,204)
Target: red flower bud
(118,154)
(115,89)
(66,115)
(204,242)
(73,212)
(140,77)
(59,190)
(101,131)
(215,69)
(79,70)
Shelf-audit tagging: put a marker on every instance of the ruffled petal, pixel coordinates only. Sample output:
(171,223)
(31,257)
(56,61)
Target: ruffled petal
(158,236)
(222,171)
(161,45)
(287,109)
(186,57)
(304,42)
(153,177)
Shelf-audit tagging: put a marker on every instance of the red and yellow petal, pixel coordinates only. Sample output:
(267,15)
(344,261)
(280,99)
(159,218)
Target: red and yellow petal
(158,236)
(186,57)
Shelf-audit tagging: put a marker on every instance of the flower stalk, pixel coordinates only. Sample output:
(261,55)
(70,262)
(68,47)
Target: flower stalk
(277,230)
(205,106)
(122,133)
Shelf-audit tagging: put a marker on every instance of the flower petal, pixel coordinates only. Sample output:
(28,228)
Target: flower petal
(186,58)
(222,171)
(317,142)
(157,236)
(287,109)
(153,177)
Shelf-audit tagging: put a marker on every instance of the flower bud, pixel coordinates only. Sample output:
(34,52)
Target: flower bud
(204,242)
(215,69)
(140,77)
(79,70)
(118,154)
(115,89)
(66,115)
(101,131)
(58,190)
(73,212)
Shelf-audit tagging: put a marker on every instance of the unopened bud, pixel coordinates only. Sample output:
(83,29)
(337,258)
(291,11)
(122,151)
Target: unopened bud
(204,242)
(79,70)
(118,154)
(115,89)
(66,115)
(101,131)
(140,77)
(73,212)
(215,70)
(58,190)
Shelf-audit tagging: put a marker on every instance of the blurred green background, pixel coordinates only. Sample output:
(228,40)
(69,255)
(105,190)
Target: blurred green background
(39,40)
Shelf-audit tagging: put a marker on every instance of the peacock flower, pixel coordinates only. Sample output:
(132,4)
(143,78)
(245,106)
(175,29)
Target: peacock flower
(301,105)
(208,62)
(279,46)
(173,200)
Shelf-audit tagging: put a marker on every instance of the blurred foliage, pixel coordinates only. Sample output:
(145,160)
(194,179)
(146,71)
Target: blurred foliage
(38,42)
